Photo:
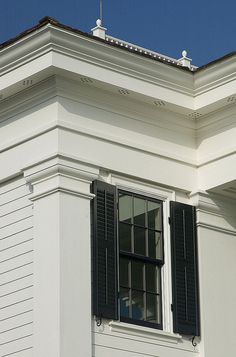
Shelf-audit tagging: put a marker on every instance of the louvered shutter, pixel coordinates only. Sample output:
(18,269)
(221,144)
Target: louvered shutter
(104,242)
(184,269)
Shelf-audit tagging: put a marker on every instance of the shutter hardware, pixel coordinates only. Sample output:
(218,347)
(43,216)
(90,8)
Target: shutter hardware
(98,320)
(194,343)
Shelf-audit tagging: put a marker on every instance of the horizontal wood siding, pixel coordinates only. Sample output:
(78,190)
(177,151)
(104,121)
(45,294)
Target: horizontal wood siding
(16,270)
(108,344)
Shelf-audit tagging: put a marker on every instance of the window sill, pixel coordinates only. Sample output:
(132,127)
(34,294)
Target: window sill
(144,332)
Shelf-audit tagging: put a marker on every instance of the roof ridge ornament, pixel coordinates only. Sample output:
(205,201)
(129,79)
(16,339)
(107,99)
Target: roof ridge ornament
(99,30)
(184,60)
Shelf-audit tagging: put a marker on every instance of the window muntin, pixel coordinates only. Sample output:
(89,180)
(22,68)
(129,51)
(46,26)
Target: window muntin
(141,254)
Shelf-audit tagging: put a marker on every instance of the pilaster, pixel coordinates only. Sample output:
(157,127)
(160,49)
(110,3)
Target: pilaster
(216,223)
(62,274)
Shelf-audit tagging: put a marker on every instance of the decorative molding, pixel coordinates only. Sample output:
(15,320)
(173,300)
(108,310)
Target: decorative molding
(25,50)
(99,54)
(50,39)
(60,174)
(207,201)
(144,332)
(213,76)
(216,228)
(220,156)
(215,212)
(126,143)
(141,187)
(78,193)
(22,101)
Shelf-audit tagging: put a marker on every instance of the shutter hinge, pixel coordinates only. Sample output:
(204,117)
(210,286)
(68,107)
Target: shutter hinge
(98,320)
(169,220)
(172,307)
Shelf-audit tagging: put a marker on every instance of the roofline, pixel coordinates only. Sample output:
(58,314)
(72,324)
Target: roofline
(216,61)
(43,22)
(49,20)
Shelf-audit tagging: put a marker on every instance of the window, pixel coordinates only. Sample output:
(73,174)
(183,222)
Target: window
(141,257)
(128,256)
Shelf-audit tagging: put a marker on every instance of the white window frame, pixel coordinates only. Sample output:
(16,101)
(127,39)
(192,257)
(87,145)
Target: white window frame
(165,195)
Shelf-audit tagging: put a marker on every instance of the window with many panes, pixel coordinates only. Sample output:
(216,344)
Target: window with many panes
(140,236)
(128,259)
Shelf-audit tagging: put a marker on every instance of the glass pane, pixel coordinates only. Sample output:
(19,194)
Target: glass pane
(137,305)
(125,208)
(153,308)
(155,245)
(154,215)
(124,303)
(139,241)
(139,211)
(125,237)
(124,272)
(151,278)
(137,275)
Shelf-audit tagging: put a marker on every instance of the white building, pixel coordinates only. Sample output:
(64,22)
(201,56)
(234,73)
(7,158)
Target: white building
(77,110)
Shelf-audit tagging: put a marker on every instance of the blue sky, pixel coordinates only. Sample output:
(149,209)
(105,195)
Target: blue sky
(205,28)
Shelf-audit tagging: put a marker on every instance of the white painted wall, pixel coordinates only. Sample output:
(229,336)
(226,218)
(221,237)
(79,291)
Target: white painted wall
(16,269)
(217,268)
(73,125)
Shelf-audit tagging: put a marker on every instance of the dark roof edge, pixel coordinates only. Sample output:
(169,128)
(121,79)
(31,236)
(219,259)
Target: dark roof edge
(44,21)
(49,20)
(218,60)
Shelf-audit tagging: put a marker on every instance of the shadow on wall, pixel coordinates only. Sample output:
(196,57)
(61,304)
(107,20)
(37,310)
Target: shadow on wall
(225,207)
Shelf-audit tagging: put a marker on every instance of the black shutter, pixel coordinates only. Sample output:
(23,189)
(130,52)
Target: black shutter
(104,242)
(184,269)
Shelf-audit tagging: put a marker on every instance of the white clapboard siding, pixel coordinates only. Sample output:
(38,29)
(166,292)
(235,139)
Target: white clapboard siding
(15,285)
(16,261)
(14,348)
(16,250)
(17,320)
(16,270)
(16,274)
(16,216)
(15,239)
(116,347)
(15,228)
(18,308)
(27,352)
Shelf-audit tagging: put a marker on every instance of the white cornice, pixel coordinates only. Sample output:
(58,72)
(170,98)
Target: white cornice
(51,50)
(60,174)
(25,50)
(215,75)
(25,99)
(79,53)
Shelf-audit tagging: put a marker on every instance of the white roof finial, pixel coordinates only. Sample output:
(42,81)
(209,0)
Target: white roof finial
(99,22)
(185,61)
(99,31)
